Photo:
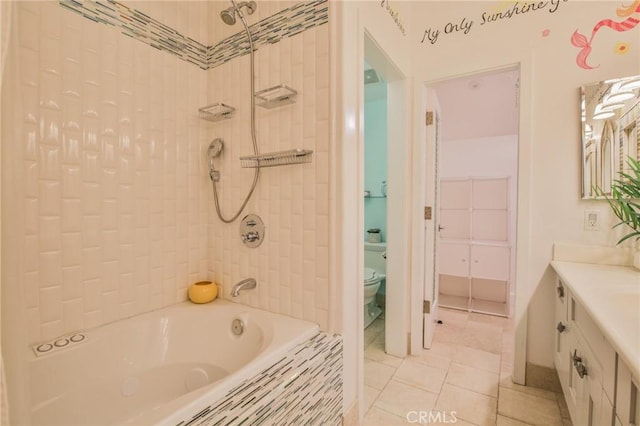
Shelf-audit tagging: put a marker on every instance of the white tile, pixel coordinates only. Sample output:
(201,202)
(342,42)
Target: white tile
(399,399)
(377,375)
(479,381)
(469,406)
(417,374)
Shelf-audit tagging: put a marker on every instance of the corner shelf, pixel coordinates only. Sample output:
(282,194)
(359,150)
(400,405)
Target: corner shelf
(276,96)
(216,112)
(280,158)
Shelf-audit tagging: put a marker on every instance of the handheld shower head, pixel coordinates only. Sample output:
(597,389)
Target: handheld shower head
(214,150)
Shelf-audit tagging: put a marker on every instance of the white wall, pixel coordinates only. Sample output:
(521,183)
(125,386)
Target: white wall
(552,112)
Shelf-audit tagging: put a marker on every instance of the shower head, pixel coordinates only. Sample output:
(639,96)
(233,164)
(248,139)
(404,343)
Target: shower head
(215,148)
(229,15)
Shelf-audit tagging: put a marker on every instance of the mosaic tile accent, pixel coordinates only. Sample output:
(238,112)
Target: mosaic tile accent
(304,387)
(287,23)
(135,24)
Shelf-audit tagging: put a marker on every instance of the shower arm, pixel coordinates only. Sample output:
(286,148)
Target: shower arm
(253,129)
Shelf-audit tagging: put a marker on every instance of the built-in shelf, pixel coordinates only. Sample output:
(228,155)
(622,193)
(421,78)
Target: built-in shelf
(276,96)
(216,112)
(280,158)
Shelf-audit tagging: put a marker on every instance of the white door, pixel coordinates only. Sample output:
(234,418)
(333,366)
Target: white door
(432,197)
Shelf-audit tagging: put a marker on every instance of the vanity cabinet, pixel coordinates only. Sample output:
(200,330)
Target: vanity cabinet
(474,245)
(597,384)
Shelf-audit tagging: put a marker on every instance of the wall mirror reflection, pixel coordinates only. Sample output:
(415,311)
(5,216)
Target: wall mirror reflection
(610,120)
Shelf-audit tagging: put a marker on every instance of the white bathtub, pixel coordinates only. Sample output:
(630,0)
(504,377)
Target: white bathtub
(158,367)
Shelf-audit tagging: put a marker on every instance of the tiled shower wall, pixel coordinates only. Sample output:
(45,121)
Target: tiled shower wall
(112,200)
(110,187)
(292,264)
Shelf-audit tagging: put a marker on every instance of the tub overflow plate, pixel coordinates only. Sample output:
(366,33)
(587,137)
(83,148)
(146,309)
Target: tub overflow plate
(237,327)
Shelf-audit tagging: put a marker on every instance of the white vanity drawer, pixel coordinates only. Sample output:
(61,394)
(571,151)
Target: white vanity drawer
(580,320)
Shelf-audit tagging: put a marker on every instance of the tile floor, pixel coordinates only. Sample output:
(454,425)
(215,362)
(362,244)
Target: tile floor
(467,371)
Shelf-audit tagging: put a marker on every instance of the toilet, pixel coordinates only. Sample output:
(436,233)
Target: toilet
(375,269)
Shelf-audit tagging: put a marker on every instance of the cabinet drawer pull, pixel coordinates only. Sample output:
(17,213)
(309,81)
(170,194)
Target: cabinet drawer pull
(577,363)
(561,327)
(560,290)
(581,369)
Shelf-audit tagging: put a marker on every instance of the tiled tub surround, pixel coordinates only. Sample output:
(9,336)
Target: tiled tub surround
(292,264)
(160,368)
(303,388)
(110,201)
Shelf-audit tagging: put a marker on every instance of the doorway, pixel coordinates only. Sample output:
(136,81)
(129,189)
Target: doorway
(473,186)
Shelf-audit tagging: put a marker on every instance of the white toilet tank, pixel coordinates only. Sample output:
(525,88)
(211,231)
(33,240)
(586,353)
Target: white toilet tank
(373,257)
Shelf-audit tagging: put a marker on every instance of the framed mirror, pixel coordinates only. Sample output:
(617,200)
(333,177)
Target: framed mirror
(610,131)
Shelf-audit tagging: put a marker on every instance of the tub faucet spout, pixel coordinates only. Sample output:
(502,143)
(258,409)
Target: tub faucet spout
(245,284)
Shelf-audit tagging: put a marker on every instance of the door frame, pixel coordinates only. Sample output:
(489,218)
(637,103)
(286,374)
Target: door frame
(524,64)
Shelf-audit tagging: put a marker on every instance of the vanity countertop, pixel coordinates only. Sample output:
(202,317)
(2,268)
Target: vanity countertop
(611,295)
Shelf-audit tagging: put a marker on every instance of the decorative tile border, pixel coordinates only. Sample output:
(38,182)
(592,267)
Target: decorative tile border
(304,387)
(135,24)
(286,23)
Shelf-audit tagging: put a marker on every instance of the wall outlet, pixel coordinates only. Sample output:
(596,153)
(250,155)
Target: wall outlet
(591,220)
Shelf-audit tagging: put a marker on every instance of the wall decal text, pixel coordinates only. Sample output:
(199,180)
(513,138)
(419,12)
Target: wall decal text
(395,15)
(464,25)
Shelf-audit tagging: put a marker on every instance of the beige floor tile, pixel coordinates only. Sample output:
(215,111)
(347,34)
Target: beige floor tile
(420,375)
(442,349)
(376,374)
(370,396)
(430,358)
(528,408)
(375,352)
(485,337)
(453,317)
(506,382)
(467,405)
(400,399)
(473,379)
(448,334)
(378,417)
(508,421)
(451,420)
(477,358)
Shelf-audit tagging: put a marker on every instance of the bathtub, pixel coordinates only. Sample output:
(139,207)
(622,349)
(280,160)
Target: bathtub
(157,367)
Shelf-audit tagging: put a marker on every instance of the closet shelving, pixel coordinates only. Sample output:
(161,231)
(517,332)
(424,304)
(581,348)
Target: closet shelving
(474,246)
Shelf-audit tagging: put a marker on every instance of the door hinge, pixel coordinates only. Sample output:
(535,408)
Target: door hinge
(429,118)
(426,306)
(427,213)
